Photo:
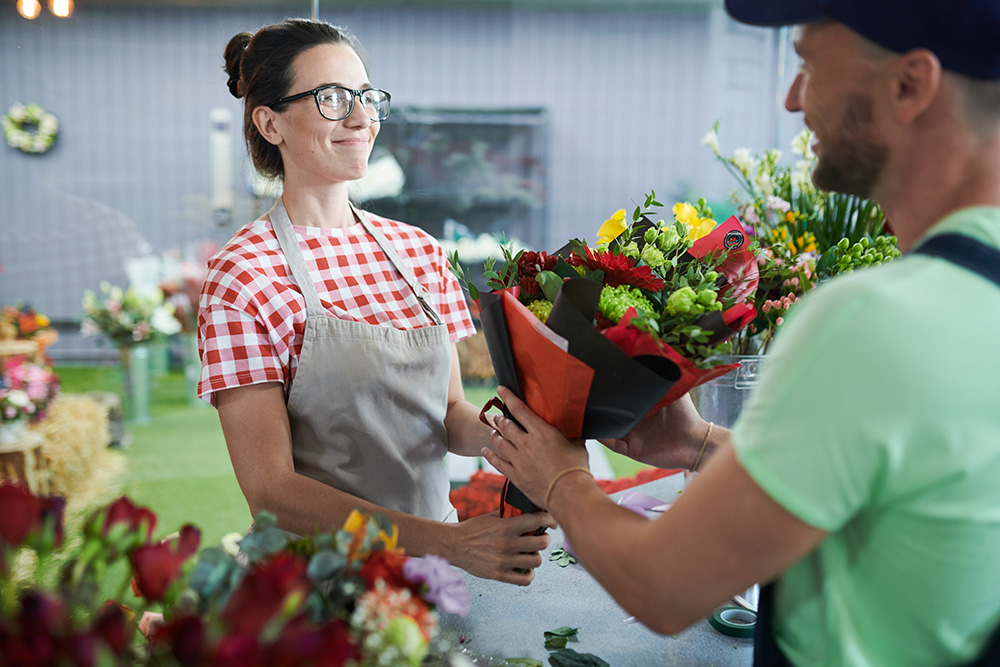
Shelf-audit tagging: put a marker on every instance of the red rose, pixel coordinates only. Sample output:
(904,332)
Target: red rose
(185,635)
(263,591)
(111,626)
(158,565)
(124,511)
(24,513)
(302,643)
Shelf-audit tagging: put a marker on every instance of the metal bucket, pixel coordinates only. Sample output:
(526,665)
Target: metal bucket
(721,400)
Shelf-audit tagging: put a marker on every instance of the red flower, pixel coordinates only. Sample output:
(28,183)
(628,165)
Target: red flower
(124,511)
(385,565)
(185,635)
(20,513)
(158,565)
(263,592)
(24,514)
(237,650)
(300,643)
(619,270)
(111,626)
(528,266)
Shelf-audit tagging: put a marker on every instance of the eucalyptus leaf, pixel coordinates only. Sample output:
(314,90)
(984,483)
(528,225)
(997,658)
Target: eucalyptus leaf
(325,564)
(567,657)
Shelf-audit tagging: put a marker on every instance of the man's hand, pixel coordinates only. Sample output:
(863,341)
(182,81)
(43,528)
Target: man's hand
(668,438)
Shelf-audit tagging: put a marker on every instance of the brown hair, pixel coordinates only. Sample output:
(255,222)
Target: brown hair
(260,71)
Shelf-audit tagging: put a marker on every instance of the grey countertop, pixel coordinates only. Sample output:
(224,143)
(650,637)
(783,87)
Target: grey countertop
(509,621)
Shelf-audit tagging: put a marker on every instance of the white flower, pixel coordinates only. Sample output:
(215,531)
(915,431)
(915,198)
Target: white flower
(743,160)
(764,183)
(163,320)
(18,398)
(711,139)
(778,204)
(800,144)
(17,112)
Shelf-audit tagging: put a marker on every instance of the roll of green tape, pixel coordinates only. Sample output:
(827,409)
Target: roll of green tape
(734,621)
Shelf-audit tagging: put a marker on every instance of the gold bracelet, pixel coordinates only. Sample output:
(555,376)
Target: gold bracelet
(558,477)
(704,442)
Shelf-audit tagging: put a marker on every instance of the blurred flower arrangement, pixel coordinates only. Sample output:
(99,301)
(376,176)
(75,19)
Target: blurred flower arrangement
(349,596)
(806,235)
(22,321)
(180,280)
(126,316)
(26,391)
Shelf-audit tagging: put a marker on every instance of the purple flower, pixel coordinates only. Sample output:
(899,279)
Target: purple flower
(445,585)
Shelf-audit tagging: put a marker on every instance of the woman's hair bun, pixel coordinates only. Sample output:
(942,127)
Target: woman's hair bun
(234,57)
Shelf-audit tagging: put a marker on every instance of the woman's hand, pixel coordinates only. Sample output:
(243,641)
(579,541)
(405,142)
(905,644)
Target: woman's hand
(503,549)
(533,454)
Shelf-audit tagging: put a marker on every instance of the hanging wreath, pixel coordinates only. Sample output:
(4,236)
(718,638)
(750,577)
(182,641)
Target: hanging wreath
(30,128)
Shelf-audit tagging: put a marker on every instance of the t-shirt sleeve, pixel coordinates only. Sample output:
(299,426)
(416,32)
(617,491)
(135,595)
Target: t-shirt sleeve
(237,347)
(802,435)
(452,304)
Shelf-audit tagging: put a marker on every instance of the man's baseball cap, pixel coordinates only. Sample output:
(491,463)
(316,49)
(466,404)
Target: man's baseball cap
(963,34)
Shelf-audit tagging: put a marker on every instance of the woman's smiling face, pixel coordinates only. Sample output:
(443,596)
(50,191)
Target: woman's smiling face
(314,148)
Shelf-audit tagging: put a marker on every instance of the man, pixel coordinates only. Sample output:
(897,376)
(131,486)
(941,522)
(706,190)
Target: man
(862,478)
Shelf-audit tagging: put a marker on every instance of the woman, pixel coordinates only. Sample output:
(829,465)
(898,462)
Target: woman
(327,333)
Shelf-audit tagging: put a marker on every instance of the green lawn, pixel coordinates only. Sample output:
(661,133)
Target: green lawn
(178,464)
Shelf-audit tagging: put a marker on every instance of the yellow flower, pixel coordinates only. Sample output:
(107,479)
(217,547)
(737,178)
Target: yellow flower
(612,227)
(688,214)
(357,524)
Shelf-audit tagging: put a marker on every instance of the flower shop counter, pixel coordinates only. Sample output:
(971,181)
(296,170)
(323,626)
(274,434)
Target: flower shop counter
(509,621)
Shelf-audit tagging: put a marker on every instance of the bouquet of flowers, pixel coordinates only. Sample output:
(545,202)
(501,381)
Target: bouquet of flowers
(593,338)
(806,235)
(126,316)
(22,321)
(349,596)
(31,387)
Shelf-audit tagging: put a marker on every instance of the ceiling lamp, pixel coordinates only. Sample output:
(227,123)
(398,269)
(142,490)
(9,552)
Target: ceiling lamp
(29,9)
(61,8)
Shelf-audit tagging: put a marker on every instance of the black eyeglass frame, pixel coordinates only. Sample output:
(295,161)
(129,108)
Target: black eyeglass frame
(355,94)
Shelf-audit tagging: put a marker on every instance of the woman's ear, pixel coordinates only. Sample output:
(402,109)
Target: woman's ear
(916,80)
(263,118)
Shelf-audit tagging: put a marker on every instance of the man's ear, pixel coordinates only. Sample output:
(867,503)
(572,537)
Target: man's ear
(916,80)
(263,117)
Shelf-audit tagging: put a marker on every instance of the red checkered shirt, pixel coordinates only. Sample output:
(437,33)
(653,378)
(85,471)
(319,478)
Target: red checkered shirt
(252,315)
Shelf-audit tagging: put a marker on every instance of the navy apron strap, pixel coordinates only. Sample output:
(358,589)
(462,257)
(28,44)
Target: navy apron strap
(964,251)
(766,652)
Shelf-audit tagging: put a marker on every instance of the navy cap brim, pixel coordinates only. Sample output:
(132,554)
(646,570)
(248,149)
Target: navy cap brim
(778,12)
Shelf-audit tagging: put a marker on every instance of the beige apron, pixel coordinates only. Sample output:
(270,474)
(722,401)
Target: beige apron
(368,402)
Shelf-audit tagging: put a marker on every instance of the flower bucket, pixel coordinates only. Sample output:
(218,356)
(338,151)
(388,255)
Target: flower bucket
(11,432)
(192,369)
(721,400)
(136,382)
(159,358)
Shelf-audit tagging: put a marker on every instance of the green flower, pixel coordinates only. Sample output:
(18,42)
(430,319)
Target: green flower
(653,256)
(616,300)
(707,298)
(683,301)
(540,309)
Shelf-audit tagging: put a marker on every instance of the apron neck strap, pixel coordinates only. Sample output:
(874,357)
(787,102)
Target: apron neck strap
(293,254)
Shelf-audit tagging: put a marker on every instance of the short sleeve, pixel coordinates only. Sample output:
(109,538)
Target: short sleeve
(802,435)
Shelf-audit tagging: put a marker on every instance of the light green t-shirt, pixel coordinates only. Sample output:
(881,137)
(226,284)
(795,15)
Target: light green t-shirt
(878,419)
